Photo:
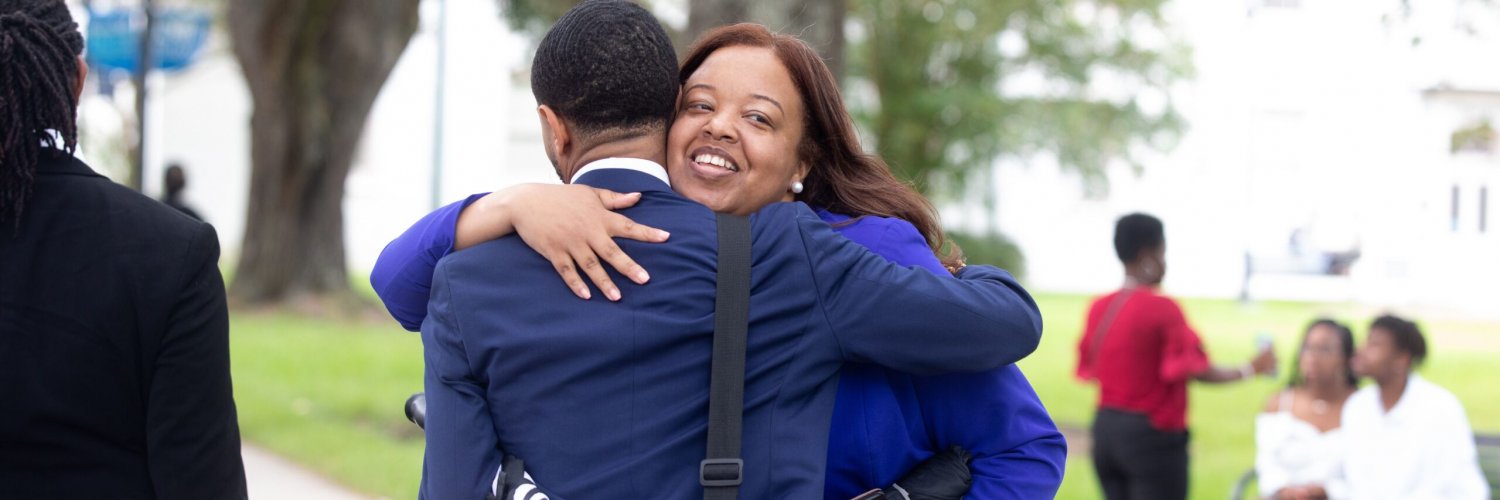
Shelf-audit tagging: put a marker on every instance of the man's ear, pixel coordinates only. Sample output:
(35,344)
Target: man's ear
(556,138)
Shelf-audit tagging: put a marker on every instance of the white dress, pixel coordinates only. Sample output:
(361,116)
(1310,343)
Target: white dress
(1292,452)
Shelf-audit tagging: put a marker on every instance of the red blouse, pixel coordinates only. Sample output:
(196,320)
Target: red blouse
(1146,358)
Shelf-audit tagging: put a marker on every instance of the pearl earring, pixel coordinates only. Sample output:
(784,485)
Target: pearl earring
(796,187)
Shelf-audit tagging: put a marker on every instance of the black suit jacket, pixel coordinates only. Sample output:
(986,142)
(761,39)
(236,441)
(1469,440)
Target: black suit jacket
(114,347)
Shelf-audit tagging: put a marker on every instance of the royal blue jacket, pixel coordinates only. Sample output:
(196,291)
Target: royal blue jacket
(886,421)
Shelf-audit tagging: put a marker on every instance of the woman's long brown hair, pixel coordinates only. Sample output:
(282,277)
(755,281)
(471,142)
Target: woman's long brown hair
(842,178)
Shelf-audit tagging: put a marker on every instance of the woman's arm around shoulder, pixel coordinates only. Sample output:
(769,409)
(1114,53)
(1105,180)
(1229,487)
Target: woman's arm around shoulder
(980,321)
(402,276)
(895,239)
(572,226)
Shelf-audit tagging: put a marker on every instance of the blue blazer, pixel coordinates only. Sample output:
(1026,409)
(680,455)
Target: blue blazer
(609,400)
(886,422)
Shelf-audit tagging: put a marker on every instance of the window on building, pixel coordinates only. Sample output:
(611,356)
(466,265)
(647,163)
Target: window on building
(1484,207)
(1453,218)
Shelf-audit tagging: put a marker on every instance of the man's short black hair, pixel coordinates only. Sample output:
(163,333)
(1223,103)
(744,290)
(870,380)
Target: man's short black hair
(1405,334)
(1136,233)
(607,65)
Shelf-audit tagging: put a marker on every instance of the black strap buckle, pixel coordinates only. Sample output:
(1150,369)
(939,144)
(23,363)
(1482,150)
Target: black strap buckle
(721,472)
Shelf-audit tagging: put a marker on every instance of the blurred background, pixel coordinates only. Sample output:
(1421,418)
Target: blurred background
(1308,157)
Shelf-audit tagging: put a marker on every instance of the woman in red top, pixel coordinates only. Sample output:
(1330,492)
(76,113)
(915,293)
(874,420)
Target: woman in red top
(1140,349)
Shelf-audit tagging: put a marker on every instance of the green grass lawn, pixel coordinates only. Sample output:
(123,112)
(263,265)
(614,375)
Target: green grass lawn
(328,393)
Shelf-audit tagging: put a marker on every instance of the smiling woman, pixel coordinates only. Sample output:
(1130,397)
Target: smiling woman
(752,63)
(728,147)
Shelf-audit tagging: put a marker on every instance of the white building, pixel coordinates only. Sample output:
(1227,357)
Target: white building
(1319,118)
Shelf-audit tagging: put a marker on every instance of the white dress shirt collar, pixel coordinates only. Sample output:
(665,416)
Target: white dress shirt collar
(639,165)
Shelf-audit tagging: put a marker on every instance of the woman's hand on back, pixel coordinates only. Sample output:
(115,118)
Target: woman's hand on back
(572,226)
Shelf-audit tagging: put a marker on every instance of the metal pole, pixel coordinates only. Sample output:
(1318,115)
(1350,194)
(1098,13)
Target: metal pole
(142,67)
(437,96)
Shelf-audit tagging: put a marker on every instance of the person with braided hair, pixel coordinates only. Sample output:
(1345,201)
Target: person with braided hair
(114,331)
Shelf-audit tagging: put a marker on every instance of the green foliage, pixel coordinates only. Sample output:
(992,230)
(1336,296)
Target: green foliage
(993,249)
(534,16)
(1479,138)
(328,395)
(941,109)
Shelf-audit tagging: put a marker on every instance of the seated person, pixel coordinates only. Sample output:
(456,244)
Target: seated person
(1406,438)
(1298,443)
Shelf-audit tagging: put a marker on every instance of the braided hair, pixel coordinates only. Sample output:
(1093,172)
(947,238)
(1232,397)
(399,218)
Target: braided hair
(39,46)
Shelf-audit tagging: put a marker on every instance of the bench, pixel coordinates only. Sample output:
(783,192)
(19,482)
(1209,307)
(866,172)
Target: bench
(1487,445)
(1300,276)
(1489,460)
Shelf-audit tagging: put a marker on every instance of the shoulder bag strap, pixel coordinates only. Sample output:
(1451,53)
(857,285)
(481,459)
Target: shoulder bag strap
(722,471)
(1103,327)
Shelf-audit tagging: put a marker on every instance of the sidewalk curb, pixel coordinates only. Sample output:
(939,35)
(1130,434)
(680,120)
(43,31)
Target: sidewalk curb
(272,477)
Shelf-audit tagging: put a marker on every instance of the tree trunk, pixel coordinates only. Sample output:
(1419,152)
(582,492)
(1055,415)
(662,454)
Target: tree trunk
(314,68)
(818,22)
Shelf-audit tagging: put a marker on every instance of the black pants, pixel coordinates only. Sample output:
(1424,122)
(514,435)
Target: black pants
(1137,462)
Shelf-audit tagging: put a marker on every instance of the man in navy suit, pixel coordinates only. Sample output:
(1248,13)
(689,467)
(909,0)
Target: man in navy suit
(609,399)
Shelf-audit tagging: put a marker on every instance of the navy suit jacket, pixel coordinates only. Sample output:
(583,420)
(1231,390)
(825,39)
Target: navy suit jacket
(610,400)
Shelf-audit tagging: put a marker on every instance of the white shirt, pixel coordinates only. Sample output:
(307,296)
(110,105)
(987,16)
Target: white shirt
(639,165)
(1292,452)
(1422,449)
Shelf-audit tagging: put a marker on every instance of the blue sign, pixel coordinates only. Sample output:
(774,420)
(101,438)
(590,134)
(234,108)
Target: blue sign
(177,36)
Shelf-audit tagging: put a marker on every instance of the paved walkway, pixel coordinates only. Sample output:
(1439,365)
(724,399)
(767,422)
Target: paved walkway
(274,478)
(1080,441)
